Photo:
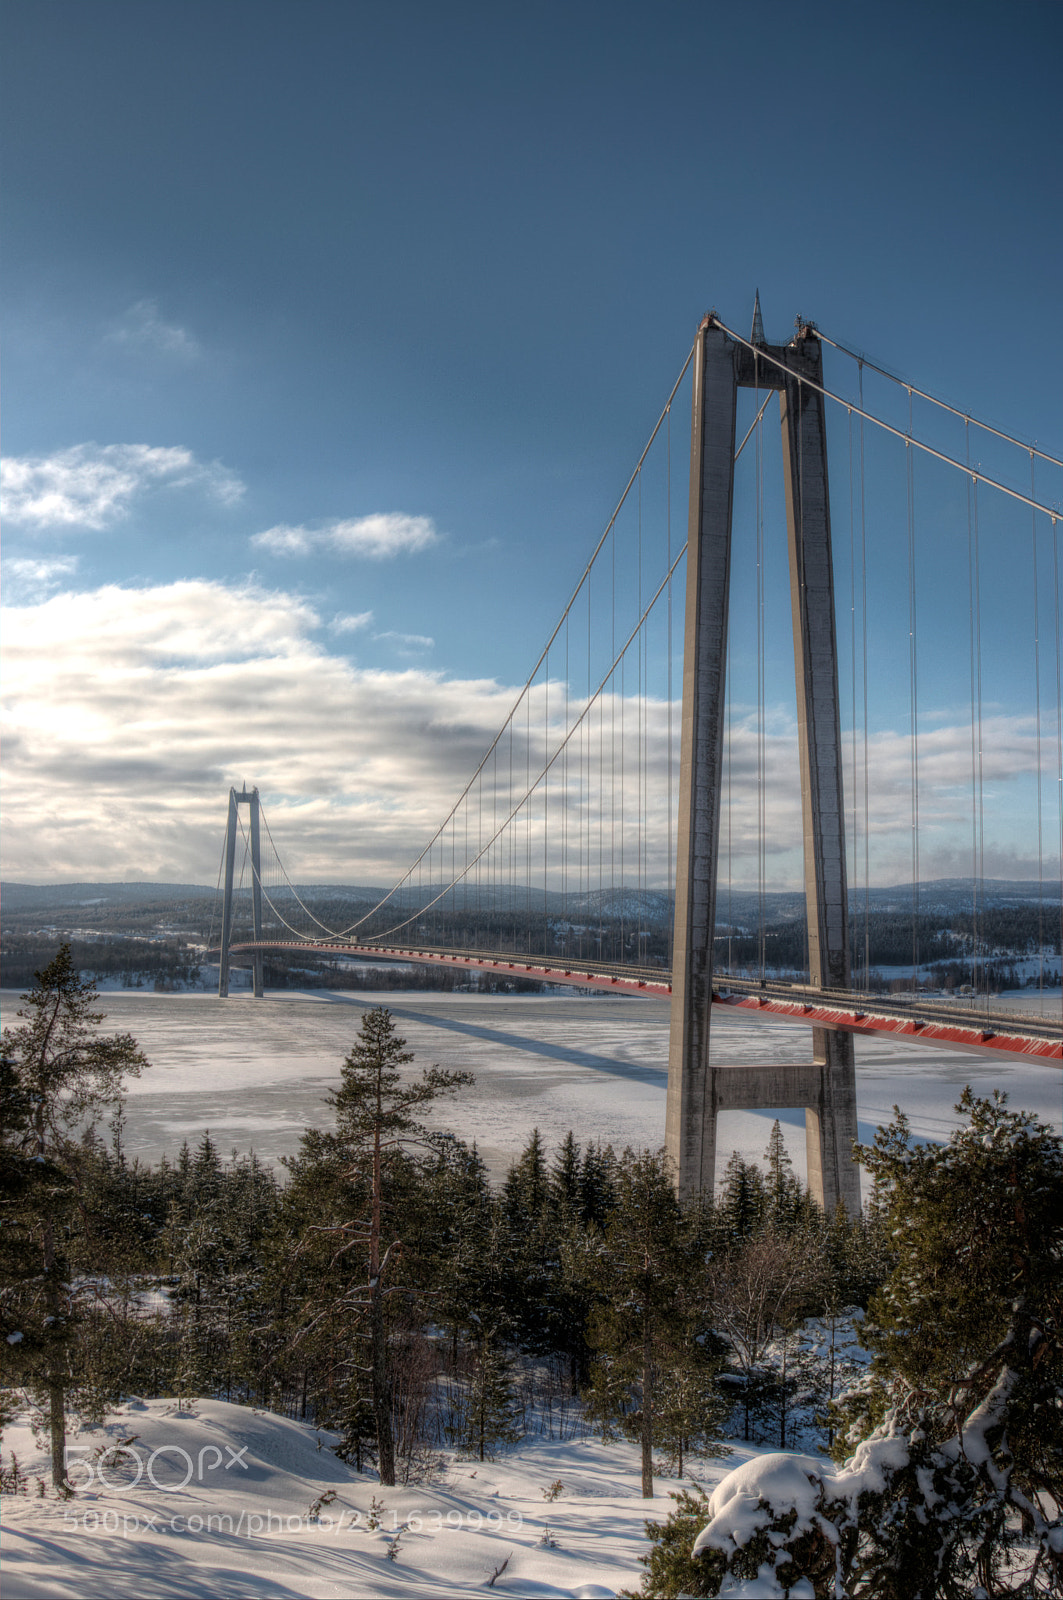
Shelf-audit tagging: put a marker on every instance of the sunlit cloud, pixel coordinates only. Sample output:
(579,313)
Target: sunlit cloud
(94,486)
(375,538)
(144,327)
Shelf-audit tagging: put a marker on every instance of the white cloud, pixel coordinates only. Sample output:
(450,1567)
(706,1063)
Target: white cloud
(93,486)
(407,644)
(377,537)
(27,578)
(143,326)
(282,541)
(351,624)
(128,712)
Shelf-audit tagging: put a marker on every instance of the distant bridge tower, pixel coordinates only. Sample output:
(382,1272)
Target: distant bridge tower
(825,1087)
(250,799)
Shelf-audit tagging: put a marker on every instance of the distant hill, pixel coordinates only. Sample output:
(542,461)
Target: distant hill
(942,895)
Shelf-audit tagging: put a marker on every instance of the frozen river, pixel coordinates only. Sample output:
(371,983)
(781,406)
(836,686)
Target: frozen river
(257,1072)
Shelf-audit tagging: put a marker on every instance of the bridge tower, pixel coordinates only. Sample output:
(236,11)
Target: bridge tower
(825,1087)
(236,800)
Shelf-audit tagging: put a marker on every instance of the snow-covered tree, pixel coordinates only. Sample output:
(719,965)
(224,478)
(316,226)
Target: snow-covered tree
(954,1481)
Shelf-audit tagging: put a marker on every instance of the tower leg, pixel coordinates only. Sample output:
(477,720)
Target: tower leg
(690,1118)
(831,1124)
(227,901)
(256,889)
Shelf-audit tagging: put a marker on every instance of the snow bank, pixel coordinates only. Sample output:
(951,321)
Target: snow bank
(215,1502)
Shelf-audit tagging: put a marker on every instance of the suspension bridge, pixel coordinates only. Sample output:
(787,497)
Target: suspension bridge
(670,759)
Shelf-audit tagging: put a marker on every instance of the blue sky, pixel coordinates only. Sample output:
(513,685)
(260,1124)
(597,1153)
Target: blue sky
(333,331)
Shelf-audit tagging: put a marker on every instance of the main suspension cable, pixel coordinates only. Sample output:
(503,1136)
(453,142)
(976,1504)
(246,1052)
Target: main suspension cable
(549,764)
(898,433)
(530,786)
(965,416)
(544,654)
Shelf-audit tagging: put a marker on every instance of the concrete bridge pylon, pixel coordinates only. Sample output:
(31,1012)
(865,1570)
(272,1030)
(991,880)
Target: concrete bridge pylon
(699,1089)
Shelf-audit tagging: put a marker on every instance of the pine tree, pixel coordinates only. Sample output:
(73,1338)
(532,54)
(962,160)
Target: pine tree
(376,1122)
(70,1074)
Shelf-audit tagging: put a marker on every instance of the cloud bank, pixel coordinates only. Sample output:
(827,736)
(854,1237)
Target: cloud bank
(128,713)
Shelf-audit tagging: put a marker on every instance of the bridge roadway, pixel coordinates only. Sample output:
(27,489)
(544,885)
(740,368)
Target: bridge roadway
(974,1027)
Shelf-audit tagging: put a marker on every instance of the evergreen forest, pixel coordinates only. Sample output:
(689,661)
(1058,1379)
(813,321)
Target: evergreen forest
(381,1287)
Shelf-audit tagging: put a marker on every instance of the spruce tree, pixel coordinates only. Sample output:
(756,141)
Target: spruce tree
(564,1180)
(783,1189)
(742,1205)
(526,1190)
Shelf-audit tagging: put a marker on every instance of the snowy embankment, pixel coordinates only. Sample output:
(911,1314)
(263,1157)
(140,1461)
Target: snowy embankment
(216,1501)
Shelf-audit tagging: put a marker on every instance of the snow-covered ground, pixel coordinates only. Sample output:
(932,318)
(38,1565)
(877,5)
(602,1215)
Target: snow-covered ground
(256,1074)
(216,1502)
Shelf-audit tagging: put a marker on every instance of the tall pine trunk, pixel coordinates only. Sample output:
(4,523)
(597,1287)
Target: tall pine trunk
(647,1408)
(54,1381)
(385,1442)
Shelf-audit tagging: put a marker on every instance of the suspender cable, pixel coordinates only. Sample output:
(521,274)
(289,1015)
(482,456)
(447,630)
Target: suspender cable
(546,809)
(863,619)
(639,726)
(533,787)
(217,890)
(977,815)
(730,768)
(913,690)
(1037,745)
(1059,719)
(761,746)
(670,879)
(852,660)
(564,805)
(608,533)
